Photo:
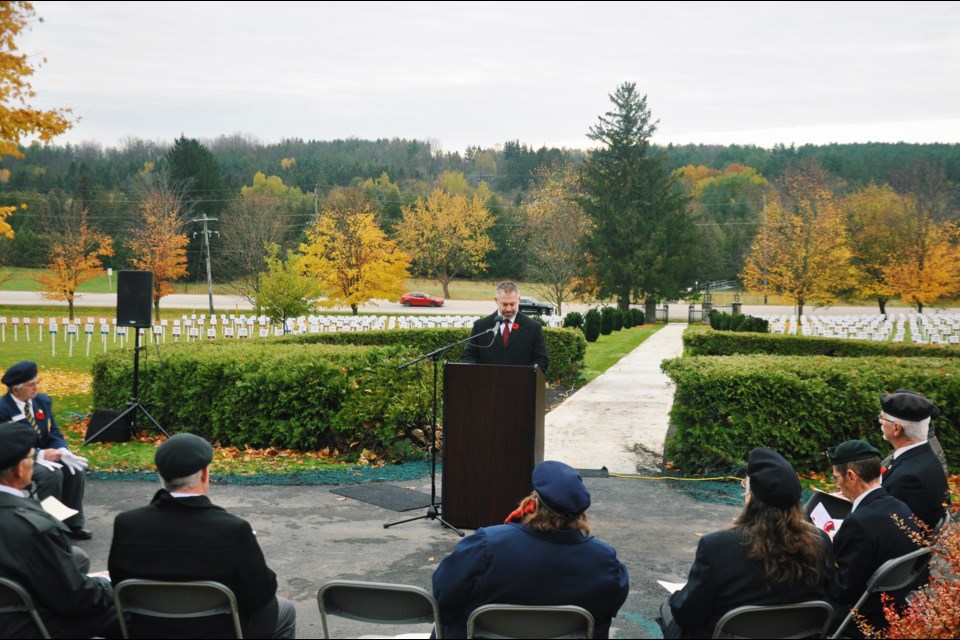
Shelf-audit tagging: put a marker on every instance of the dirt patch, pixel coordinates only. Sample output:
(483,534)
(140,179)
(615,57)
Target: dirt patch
(556,394)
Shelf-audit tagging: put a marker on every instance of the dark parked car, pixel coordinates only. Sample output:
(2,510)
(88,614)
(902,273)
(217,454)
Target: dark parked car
(418,299)
(532,306)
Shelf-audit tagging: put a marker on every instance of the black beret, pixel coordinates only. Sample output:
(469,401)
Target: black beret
(772,478)
(908,405)
(19,373)
(852,450)
(560,489)
(182,455)
(16,440)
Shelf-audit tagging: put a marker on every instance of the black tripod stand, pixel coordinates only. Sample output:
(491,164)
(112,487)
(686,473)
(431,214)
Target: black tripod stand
(434,510)
(133,405)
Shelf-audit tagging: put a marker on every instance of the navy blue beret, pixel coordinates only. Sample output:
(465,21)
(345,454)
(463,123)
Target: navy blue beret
(182,455)
(19,373)
(560,489)
(908,405)
(16,441)
(772,478)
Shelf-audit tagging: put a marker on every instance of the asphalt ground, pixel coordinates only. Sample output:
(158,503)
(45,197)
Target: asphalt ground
(310,535)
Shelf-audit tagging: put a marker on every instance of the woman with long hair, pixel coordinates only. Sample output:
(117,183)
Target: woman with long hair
(772,555)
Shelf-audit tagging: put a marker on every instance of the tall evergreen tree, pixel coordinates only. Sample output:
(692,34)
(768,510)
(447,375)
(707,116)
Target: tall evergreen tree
(642,238)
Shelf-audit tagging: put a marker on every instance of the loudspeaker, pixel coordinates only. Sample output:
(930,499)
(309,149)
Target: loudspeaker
(134,298)
(119,431)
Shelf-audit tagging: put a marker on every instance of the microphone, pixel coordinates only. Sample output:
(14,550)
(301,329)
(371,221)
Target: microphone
(499,321)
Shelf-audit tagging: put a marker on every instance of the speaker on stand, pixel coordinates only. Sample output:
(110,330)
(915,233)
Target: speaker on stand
(134,302)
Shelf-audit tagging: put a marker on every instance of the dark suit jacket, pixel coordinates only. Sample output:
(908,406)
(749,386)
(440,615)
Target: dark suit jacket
(526,345)
(723,578)
(50,436)
(193,539)
(917,479)
(511,564)
(35,551)
(867,538)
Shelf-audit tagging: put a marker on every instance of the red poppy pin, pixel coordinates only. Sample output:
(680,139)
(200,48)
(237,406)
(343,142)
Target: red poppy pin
(883,471)
(39,414)
(515,327)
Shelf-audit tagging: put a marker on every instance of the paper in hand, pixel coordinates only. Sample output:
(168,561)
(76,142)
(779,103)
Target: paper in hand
(57,509)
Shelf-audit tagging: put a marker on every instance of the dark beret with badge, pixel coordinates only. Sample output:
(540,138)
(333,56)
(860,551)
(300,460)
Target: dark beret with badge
(852,450)
(908,405)
(182,455)
(16,441)
(19,373)
(560,489)
(772,479)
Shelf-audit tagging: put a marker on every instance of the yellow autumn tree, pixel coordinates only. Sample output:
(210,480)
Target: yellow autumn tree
(75,256)
(446,235)
(877,221)
(17,118)
(350,255)
(159,246)
(927,269)
(802,251)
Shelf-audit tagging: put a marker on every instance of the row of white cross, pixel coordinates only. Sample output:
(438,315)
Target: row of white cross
(924,329)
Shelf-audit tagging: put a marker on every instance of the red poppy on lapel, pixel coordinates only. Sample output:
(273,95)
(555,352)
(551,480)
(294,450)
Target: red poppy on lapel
(39,414)
(883,471)
(515,327)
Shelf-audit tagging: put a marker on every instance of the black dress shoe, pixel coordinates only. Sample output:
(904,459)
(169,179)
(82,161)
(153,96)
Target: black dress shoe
(79,533)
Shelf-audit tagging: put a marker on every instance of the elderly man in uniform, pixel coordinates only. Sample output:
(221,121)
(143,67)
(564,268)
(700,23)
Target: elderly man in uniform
(181,535)
(58,472)
(914,475)
(35,552)
(544,555)
(877,529)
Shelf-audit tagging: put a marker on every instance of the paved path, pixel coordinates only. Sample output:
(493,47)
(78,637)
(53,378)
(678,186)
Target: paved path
(619,420)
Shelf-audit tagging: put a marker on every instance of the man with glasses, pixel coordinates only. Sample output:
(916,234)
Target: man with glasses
(35,552)
(914,475)
(878,528)
(58,472)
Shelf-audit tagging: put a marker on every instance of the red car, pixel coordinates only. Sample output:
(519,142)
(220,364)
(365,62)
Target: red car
(418,299)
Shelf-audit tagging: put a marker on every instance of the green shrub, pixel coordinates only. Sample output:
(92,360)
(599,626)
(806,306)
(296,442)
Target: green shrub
(701,341)
(617,319)
(591,325)
(725,406)
(607,321)
(573,320)
(636,317)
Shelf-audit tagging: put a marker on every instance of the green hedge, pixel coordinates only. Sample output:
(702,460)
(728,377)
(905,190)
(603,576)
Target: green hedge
(703,341)
(338,390)
(266,393)
(725,406)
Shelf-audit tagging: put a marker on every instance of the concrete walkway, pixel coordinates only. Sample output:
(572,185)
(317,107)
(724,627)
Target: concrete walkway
(619,420)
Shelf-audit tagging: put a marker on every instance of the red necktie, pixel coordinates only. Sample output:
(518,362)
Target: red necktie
(506,332)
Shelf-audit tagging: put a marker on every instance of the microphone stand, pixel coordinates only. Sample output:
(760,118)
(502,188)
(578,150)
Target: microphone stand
(435,508)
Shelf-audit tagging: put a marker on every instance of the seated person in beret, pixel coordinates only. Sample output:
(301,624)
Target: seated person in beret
(772,555)
(914,475)
(878,529)
(36,553)
(544,555)
(58,472)
(182,536)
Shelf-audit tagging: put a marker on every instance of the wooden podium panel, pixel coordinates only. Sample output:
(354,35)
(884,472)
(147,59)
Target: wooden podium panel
(492,440)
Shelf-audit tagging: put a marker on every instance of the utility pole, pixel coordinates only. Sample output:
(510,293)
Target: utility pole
(206,246)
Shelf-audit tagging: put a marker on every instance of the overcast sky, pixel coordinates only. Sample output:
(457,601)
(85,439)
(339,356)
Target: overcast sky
(482,73)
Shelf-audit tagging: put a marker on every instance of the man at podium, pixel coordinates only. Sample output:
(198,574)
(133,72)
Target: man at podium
(507,336)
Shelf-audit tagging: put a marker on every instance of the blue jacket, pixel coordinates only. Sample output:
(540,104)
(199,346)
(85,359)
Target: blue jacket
(512,564)
(50,436)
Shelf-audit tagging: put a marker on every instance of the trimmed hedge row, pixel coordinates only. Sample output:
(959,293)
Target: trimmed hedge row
(290,396)
(725,406)
(702,341)
(307,392)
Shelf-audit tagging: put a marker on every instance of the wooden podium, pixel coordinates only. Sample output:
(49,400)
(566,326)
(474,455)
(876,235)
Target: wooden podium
(492,440)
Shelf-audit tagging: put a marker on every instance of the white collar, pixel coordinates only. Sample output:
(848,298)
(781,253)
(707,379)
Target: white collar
(14,492)
(856,503)
(897,452)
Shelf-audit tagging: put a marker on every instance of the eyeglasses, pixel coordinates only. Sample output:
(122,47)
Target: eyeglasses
(882,418)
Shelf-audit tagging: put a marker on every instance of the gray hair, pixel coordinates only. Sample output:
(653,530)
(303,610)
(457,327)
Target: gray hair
(507,286)
(176,484)
(914,430)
